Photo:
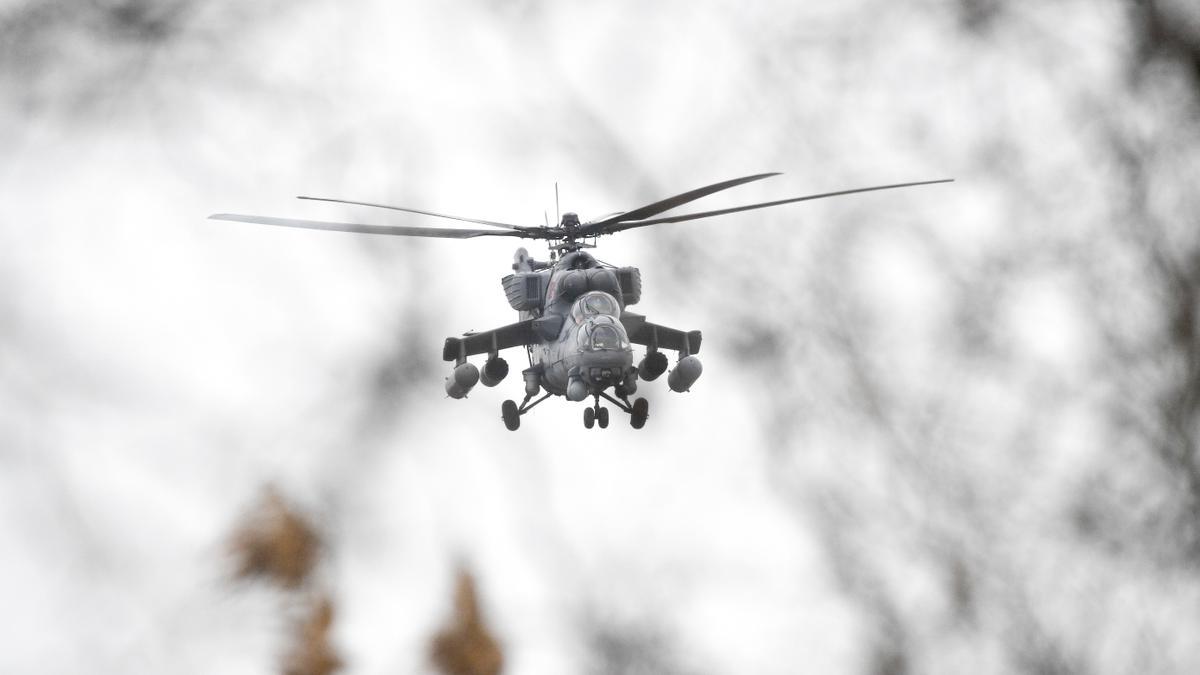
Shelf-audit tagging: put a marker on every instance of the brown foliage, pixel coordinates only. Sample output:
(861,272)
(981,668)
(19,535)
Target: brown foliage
(465,646)
(312,654)
(276,543)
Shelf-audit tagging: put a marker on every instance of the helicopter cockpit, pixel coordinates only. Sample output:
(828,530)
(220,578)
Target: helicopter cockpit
(602,333)
(596,315)
(594,303)
(607,337)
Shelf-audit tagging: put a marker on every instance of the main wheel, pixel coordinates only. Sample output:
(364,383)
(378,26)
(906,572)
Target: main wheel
(589,417)
(512,418)
(602,418)
(641,410)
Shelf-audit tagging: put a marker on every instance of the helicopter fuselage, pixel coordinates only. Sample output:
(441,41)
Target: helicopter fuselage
(590,351)
(579,339)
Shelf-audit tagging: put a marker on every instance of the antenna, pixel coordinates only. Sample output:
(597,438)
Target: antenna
(546,219)
(557,215)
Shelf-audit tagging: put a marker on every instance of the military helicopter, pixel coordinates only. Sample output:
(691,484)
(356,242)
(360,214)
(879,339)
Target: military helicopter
(573,324)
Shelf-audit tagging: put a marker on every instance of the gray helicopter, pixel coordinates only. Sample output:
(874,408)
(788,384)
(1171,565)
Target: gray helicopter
(574,324)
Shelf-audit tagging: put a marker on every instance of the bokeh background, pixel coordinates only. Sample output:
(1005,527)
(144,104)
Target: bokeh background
(941,430)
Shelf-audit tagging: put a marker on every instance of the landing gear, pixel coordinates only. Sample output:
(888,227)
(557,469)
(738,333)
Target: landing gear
(638,413)
(596,414)
(510,414)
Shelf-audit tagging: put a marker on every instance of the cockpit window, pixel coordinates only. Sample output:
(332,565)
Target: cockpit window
(593,304)
(600,303)
(605,337)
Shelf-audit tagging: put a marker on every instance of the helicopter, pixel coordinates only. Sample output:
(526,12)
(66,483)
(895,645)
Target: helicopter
(574,323)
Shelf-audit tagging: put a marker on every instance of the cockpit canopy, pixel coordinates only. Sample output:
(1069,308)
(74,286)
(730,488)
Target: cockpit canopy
(595,303)
(603,332)
(606,337)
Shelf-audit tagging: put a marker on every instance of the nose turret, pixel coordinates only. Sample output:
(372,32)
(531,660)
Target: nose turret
(605,357)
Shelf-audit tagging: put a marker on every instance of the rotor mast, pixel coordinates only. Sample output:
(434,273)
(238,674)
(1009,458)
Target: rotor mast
(569,235)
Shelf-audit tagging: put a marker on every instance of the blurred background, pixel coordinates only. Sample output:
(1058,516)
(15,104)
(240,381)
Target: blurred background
(944,429)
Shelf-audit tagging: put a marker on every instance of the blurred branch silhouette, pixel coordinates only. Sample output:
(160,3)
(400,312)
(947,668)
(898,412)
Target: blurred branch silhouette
(466,646)
(311,653)
(276,544)
(638,647)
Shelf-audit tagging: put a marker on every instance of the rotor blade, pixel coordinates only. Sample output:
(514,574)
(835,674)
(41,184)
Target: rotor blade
(408,210)
(617,227)
(605,217)
(366,229)
(678,200)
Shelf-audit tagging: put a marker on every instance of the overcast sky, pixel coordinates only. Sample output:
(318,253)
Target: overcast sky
(896,385)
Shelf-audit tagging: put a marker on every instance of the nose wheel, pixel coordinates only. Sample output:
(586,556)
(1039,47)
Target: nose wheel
(639,411)
(595,415)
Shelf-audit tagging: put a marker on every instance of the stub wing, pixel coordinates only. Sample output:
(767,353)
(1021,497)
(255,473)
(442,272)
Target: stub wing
(642,332)
(513,335)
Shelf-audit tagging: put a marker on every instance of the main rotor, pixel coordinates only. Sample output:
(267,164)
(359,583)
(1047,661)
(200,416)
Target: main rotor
(570,234)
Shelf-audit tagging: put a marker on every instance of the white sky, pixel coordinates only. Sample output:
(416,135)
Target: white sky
(157,369)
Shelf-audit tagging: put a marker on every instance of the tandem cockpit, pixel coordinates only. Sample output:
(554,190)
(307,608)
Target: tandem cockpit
(597,315)
(603,355)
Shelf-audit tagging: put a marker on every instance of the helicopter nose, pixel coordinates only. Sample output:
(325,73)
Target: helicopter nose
(602,376)
(606,368)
